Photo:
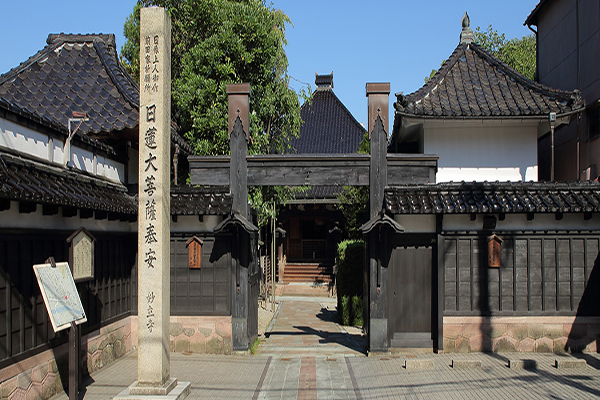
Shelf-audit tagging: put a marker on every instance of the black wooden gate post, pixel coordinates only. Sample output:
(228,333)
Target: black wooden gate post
(378,95)
(239,105)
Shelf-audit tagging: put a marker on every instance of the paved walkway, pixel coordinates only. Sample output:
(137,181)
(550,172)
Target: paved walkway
(308,325)
(307,356)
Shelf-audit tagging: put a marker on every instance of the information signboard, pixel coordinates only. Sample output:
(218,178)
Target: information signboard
(60,295)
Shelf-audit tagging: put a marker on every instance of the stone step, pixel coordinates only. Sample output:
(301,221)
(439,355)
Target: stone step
(418,340)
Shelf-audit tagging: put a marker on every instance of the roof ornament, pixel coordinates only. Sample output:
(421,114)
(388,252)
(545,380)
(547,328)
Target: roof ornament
(466,35)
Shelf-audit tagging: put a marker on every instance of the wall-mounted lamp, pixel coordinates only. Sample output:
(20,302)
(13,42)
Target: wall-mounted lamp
(79,117)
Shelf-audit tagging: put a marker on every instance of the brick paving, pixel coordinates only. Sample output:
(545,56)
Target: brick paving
(314,361)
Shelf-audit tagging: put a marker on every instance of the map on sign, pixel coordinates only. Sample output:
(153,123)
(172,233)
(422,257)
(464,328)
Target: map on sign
(60,295)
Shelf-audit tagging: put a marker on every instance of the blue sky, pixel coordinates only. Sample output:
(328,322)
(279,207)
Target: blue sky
(394,41)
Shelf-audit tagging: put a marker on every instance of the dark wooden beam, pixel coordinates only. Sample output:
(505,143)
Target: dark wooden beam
(113,216)
(4,204)
(558,216)
(85,213)
(587,216)
(99,214)
(314,169)
(69,211)
(26,207)
(49,209)
(174,217)
(530,216)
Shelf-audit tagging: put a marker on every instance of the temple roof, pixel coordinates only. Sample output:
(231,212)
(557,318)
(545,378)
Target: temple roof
(328,128)
(76,73)
(474,84)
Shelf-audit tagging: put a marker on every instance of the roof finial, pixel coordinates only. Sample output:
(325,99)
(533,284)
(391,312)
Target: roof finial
(467,35)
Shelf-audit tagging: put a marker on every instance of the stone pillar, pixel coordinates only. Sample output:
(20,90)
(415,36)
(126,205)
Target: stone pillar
(154,370)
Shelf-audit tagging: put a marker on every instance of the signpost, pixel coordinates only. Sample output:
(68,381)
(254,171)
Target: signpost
(65,310)
(60,295)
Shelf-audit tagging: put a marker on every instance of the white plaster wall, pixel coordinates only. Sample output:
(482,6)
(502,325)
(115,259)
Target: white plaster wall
(191,223)
(416,223)
(36,220)
(21,139)
(518,222)
(474,151)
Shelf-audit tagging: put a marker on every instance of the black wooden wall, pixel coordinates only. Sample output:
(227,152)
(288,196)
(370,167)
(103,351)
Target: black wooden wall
(204,291)
(24,324)
(540,274)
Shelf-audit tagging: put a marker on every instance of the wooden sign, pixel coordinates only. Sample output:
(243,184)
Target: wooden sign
(194,246)
(81,254)
(494,247)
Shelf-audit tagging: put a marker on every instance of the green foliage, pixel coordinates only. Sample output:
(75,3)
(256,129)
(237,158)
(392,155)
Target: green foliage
(519,54)
(217,42)
(354,205)
(433,72)
(349,281)
(354,201)
(130,52)
(254,346)
(261,198)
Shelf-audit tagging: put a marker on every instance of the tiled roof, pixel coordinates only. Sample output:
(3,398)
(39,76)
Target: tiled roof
(30,181)
(328,126)
(494,197)
(76,73)
(24,180)
(532,19)
(319,192)
(474,84)
(187,200)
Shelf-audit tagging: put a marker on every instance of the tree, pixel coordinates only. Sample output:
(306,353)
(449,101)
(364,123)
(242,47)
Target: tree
(518,54)
(214,43)
(354,201)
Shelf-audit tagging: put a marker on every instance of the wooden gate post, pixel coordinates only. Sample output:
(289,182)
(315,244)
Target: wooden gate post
(378,97)
(239,133)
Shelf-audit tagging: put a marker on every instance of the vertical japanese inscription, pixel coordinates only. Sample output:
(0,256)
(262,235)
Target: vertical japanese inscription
(154,195)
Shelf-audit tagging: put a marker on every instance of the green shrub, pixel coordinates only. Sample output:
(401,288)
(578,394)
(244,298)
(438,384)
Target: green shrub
(349,281)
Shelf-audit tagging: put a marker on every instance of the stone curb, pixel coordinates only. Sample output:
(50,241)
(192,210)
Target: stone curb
(419,364)
(466,364)
(570,364)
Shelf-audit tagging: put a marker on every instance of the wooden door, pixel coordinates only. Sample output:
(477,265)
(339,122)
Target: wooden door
(410,295)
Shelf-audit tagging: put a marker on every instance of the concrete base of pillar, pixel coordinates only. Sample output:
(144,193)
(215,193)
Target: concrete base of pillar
(172,390)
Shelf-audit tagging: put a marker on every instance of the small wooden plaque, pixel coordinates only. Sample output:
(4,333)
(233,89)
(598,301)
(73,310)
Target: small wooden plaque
(194,246)
(494,243)
(81,254)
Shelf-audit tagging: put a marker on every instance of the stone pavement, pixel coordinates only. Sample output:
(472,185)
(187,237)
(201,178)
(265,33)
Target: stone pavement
(307,356)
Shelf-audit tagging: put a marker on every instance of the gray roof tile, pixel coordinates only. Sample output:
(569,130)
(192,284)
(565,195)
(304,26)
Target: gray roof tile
(494,197)
(474,84)
(76,73)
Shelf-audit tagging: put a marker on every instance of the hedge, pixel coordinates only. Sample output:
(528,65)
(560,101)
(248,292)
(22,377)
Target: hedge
(349,281)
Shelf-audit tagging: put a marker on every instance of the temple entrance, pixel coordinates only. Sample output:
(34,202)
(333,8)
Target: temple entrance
(308,234)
